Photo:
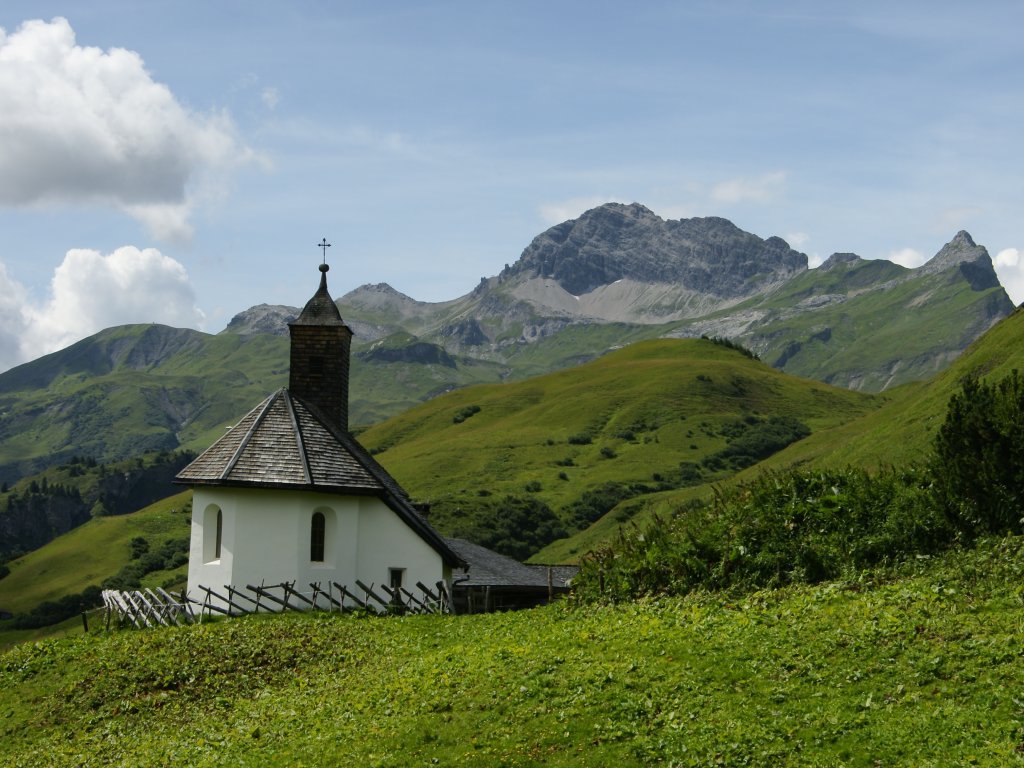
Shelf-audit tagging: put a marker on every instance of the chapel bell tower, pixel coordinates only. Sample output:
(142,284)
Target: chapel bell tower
(320,346)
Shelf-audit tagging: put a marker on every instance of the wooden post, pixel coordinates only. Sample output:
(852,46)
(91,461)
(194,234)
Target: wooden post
(85,621)
(551,586)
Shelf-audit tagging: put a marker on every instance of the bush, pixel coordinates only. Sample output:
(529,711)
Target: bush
(515,526)
(56,611)
(751,440)
(596,502)
(138,547)
(978,460)
(464,413)
(801,527)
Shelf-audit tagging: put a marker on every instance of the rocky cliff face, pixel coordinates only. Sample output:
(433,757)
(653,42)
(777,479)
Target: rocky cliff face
(867,324)
(263,318)
(614,242)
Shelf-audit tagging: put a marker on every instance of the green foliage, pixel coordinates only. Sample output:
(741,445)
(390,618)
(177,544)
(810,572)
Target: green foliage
(801,527)
(172,554)
(752,439)
(978,461)
(138,547)
(595,502)
(464,413)
(729,344)
(54,611)
(514,526)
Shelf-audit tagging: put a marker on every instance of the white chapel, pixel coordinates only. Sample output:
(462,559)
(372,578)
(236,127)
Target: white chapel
(288,495)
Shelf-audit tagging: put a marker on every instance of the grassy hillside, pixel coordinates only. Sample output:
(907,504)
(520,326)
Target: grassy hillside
(91,553)
(630,417)
(899,431)
(922,669)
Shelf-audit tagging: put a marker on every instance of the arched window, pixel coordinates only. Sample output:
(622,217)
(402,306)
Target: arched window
(317,533)
(213,533)
(220,534)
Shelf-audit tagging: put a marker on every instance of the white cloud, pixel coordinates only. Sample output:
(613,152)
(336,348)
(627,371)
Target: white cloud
(90,292)
(557,212)
(1010,269)
(80,125)
(907,257)
(758,189)
(1008,257)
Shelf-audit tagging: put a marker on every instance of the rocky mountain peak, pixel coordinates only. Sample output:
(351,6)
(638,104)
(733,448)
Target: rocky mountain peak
(972,261)
(263,318)
(615,241)
(838,259)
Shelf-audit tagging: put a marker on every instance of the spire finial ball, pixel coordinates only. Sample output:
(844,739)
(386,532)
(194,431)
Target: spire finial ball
(324,267)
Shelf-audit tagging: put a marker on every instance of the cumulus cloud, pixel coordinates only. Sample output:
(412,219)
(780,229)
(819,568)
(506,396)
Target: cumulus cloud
(89,292)
(757,189)
(1010,269)
(81,125)
(557,212)
(907,257)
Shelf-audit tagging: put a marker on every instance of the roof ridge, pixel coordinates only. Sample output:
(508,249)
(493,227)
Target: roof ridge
(244,443)
(303,455)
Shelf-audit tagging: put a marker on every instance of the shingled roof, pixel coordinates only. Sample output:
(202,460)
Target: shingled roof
(286,443)
(487,568)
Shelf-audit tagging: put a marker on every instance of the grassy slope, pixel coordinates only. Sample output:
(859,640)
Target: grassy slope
(916,322)
(90,553)
(671,395)
(921,670)
(898,432)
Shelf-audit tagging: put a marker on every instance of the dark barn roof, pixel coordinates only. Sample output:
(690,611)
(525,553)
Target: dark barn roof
(286,443)
(490,569)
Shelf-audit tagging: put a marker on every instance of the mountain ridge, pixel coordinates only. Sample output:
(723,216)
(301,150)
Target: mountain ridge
(857,323)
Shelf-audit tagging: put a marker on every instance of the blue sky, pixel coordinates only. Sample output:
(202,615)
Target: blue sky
(179,161)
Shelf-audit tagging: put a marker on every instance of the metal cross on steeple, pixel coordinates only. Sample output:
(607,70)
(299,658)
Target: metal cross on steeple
(325,245)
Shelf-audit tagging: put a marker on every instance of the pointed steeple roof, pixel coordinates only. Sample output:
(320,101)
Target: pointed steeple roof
(321,309)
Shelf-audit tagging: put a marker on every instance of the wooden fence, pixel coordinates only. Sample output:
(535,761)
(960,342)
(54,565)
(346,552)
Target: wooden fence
(146,608)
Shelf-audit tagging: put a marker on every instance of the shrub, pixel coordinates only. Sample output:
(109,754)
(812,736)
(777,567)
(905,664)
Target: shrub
(596,502)
(583,438)
(138,547)
(978,458)
(515,526)
(608,453)
(464,413)
(800,527)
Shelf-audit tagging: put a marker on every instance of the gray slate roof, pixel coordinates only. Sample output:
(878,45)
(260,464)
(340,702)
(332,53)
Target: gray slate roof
(487,568)
(285,443)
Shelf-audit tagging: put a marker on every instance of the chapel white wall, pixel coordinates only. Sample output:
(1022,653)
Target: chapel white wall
(266,540)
